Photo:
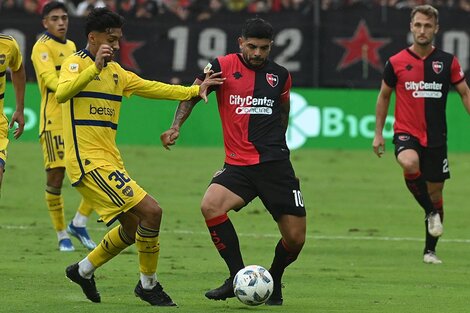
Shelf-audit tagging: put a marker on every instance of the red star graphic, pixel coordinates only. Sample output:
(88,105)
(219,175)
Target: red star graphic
(361,47)
(126,53)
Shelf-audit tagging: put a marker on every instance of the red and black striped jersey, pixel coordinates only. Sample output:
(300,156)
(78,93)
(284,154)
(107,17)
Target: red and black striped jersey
(249,107)
(421,87)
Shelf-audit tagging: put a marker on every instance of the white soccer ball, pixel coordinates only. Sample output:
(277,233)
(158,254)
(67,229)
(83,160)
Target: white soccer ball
(253,285)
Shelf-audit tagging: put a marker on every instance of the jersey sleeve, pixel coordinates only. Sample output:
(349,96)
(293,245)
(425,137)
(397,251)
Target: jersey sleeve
(16,58)
(456,72)
(157,90)
(44,65)
(389,76)
(285,95)
(73,78)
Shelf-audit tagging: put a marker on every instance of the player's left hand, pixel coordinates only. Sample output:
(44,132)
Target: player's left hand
(378,145)
(212,79)
(168,138)
(17,117)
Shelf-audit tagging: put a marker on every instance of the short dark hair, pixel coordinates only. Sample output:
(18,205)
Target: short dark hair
(52,6)
(427,10)
(101,19)
(257,28)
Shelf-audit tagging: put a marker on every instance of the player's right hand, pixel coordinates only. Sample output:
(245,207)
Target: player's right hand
(379,145)
(104,54)
(168,138)
(212,79)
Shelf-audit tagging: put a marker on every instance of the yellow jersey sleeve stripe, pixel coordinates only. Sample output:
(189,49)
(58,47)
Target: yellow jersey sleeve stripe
(95,123)
(98,95)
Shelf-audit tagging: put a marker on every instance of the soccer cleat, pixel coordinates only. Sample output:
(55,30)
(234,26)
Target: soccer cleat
(223,292)
(435,228)
(88,285)
(81,234)
(65,245)
(431,258)
(155,296)
(276,297)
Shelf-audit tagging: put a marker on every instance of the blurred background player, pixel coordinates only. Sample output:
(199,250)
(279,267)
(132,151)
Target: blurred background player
(10,57)
(421,76)
(254,104)
(91,86)
(47,56)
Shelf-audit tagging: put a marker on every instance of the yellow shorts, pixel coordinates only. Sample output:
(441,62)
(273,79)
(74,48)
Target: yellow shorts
(110,191)
(3,139)
(52,142)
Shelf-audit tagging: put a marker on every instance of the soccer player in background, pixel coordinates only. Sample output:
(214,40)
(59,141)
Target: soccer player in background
(47,56)
(254,108)
(91,86)
(421,76)
(10,57)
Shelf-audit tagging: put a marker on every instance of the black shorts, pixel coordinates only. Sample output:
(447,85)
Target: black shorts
(433,162)
(273,182)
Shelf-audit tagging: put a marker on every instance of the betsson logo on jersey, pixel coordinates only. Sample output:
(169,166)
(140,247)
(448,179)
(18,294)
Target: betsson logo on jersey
(250,105)
(422,89)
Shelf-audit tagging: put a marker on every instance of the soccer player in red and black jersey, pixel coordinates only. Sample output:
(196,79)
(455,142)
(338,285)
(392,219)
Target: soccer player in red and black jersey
(254,108)
(421,76)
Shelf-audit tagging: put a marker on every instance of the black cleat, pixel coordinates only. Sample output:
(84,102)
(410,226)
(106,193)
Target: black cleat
(223,292)
(88,285)
(155,296)
(276,297)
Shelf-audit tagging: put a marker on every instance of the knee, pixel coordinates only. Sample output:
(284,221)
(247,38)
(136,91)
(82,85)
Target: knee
(409,166)
(210,210)
(295,241)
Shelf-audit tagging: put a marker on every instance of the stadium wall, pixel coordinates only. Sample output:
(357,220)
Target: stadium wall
(321,48)
(319,118)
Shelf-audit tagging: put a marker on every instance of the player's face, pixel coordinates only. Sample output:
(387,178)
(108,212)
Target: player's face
(110,37)
(56,23)
(255,51)
(423,29)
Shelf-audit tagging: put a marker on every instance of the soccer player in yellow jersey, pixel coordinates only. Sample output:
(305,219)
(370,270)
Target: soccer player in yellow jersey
(10,57)
(47,56)
(91,86)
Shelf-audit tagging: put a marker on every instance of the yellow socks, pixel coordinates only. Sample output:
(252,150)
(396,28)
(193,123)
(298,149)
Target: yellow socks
(148,247)
(55,204)
(112,244)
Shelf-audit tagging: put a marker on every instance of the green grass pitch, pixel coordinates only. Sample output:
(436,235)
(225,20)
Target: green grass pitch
(363,251)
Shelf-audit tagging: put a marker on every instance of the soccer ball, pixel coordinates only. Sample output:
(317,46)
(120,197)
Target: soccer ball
(253,285)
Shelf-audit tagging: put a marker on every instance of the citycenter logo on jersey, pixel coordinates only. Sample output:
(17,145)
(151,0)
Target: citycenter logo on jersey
(101,110)
(423,89)
(307,121)
(251,105)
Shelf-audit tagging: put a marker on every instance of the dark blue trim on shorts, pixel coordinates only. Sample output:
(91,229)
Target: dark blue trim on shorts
(2,163)
(95,123)
(99,180)
(98,95)
(3,73)
(2,95)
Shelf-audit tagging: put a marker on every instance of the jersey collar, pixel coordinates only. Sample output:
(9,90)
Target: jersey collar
(417,56)
(48,34)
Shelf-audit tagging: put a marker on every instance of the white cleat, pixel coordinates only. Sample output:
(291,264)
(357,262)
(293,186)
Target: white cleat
(435,227)
(431,258)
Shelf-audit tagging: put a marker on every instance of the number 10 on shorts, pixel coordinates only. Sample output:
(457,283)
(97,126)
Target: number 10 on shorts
(299,200)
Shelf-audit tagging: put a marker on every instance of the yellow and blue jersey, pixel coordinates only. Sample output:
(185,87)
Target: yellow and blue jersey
(10,57)
(92,103)
(49,52)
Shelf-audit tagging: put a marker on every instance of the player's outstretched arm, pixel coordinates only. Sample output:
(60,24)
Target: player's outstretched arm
(169,137)
(19,84)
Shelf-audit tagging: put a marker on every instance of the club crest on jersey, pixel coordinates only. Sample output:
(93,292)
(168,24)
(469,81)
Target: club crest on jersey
(2,59)
(272,79)
(128,191)
(403,137)
(437,66)
(115,78)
